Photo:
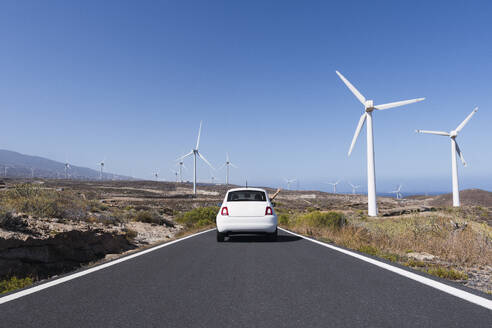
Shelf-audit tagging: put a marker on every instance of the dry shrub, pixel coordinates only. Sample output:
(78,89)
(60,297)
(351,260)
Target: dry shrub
(462,244)
(39,202)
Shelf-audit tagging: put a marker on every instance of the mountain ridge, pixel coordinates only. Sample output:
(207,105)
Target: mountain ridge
(17,165)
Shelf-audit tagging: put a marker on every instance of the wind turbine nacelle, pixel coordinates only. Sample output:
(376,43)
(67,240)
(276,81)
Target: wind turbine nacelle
(453,134)
(369,104)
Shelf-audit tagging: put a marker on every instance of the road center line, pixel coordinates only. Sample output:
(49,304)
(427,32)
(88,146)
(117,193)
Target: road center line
(58,281)
(424,280)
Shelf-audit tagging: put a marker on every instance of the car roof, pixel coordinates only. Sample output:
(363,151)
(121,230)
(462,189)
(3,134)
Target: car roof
(246,188)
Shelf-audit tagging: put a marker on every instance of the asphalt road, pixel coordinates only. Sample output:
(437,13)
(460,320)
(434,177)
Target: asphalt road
(247,282)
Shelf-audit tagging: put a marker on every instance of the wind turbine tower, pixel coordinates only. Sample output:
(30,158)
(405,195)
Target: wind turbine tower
(227,164)
(196,153)
(176,175)
(289,182)
(454,149)
(181,167)
(354,188)
(101,171)
(369,107)
(397,192)
(334,184)
(67,167)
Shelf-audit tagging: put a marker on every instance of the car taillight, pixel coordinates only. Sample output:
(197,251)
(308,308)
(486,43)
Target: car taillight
(268,211)
(224,211)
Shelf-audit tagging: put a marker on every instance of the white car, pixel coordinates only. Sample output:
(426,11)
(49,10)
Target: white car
(246,210)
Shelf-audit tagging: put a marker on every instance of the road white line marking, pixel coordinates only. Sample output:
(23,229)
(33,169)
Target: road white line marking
(61,280)
(426,281)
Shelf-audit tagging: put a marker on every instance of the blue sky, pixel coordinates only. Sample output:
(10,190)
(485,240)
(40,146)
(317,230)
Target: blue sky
(130,81)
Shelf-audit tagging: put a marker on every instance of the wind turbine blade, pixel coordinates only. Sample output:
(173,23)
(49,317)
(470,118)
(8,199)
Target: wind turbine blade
(439,133)
(458,129)
(398,103)
(205,160)
(352,88)
(458,150)
(184,156)
(234,166)
(199,132)
(357,131)
(227,157)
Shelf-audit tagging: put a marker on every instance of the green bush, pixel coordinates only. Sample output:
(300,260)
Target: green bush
(447,273)
(319,219)
(198,217)
(283,219)
(368,249)
(14,283)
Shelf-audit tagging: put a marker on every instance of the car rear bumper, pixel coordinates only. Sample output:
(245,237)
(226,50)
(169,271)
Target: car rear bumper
(241,224)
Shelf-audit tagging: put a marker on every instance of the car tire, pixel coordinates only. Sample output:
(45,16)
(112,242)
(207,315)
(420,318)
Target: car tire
(273,236)
(220,236)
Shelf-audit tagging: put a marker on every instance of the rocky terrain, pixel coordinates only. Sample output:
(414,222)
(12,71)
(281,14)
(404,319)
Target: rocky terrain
(49,227)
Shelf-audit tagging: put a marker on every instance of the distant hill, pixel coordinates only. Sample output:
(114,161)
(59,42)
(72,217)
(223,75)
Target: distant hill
(471,197)
(16,165)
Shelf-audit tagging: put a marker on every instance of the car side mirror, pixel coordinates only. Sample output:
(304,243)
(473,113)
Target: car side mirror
(273,204)
(219,204)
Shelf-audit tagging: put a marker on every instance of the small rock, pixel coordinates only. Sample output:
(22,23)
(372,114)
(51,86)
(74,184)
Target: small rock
(423,256)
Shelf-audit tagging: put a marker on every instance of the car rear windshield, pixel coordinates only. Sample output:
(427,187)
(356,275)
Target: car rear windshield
(246,196)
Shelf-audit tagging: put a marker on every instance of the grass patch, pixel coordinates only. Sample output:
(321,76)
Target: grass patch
(317,219)
(447,273)
(198,217)
(14,283)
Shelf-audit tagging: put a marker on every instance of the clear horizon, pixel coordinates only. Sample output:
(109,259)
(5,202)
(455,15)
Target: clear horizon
(130,82)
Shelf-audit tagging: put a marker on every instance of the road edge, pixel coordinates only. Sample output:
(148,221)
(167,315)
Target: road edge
(478,300)
(57,281)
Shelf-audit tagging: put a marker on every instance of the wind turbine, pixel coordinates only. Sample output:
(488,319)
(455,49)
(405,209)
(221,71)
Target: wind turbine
(176,174)
(156,175)
(212,177)
(227,164)
(334,184)
(454,149)
(67,167)
(397,192)
(181,167)
(369,107)
(354,188)
(289,182)
(196,153)
(101,164)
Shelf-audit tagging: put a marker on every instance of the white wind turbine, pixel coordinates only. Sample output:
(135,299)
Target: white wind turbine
(67,167)
(196,153)
(397,192)
(334,184)
(354,188)
(369,107)
(288,182)
(176,174)
(101,164)
(156,175)
(454,149)
(227,164)
(180,170)
(212,177)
